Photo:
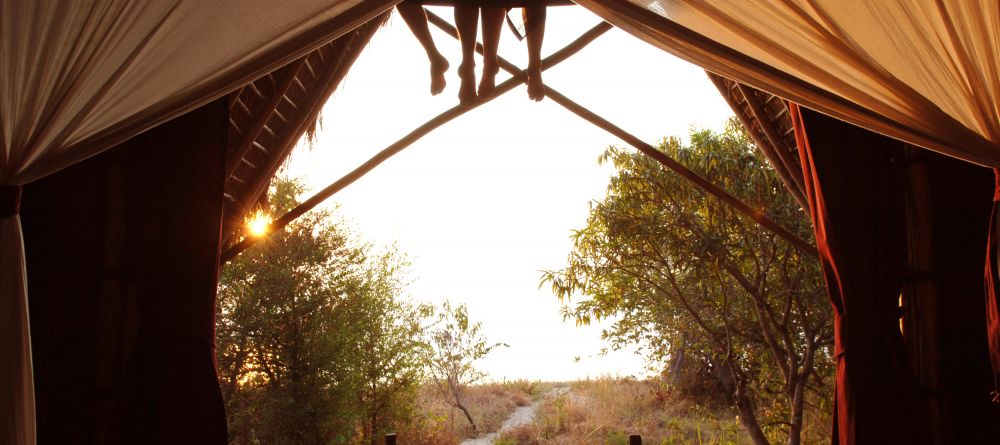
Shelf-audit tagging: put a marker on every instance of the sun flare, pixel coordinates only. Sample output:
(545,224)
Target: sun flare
(259,223)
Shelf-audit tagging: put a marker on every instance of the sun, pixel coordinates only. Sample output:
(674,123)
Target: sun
(259,223)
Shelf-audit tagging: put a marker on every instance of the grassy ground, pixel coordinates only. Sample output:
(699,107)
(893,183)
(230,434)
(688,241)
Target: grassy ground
(490,404)
(605,411)
(591,412)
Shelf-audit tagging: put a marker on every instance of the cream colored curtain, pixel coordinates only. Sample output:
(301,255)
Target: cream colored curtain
(927,72)
(77,77)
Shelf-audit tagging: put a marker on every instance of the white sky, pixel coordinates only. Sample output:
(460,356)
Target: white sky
(484,203)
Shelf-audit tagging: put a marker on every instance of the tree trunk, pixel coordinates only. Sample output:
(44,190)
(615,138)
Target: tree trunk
(798,405)
(748,418)
(467,415)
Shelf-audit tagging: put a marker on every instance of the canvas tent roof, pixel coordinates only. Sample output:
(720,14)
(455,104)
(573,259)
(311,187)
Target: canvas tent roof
(77,79)
(924,72)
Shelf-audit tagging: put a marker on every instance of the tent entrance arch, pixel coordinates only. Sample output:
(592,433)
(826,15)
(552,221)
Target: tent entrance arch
(832,73)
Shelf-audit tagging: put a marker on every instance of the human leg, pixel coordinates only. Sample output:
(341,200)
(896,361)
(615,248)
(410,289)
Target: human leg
(466,21)
(492,25)
(415,17)
(534,29)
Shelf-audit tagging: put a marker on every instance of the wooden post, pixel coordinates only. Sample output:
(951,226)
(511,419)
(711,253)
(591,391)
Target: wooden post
(634,439)
(390,439)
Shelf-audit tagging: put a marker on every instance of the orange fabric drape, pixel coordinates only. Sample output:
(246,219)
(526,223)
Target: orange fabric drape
(858,227)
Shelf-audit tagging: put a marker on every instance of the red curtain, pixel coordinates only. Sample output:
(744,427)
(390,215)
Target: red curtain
(992,292)
(853,201)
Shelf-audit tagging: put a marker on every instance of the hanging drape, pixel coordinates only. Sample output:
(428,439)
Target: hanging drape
(79,77)
(854,204)
(992,287)
(921,71)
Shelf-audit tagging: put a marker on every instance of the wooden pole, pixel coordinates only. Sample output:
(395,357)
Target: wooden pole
(518,78)
(647,149)
(388,152)
(706,185)
(390,439)
(634,439)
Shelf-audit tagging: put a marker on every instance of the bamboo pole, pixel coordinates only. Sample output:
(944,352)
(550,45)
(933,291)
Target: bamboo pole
(706,185)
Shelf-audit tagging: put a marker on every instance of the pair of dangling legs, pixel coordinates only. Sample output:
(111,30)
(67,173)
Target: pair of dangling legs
(467,21)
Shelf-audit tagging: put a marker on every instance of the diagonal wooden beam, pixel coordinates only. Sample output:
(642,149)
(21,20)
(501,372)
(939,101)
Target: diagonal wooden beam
(696,179)
(648,149)
(398,146)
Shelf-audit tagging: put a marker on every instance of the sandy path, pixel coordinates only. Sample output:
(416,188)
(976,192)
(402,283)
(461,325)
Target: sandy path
(520,416)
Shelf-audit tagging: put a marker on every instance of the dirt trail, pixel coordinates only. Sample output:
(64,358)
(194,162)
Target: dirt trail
(520,416)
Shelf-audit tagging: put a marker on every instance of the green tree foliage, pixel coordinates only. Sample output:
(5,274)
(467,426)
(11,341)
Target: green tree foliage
(314,344)
(391,354)
(456,345)
(687,275)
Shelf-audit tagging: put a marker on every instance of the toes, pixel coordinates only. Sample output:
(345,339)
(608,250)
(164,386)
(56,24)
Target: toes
(467,91)
(536,89)
(487,85)
(439,66)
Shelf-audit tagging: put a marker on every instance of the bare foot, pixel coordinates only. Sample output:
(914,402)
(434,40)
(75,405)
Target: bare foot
(467,91)
(439,66)
(536,89)
(487,85)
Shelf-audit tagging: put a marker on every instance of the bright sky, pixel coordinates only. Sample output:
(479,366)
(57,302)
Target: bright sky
(484,203)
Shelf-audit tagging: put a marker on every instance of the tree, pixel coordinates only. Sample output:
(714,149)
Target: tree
(687,274)
(391,355)
(314,343)
(456,346)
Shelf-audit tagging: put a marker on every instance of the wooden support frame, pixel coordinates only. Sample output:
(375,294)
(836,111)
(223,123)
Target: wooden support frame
(519,77)
(398,146)
(647,149)
(495,3)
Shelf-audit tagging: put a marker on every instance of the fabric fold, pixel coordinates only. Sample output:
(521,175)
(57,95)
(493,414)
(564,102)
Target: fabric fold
(859,230)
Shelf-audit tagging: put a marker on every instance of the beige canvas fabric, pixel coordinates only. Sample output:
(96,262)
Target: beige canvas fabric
(78,77)
(924,71)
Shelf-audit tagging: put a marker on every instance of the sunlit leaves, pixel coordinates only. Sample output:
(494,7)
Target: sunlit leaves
(312,335)
(679,268)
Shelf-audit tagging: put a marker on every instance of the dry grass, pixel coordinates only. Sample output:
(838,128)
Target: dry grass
(593,412)
(605,411)
(490,404)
